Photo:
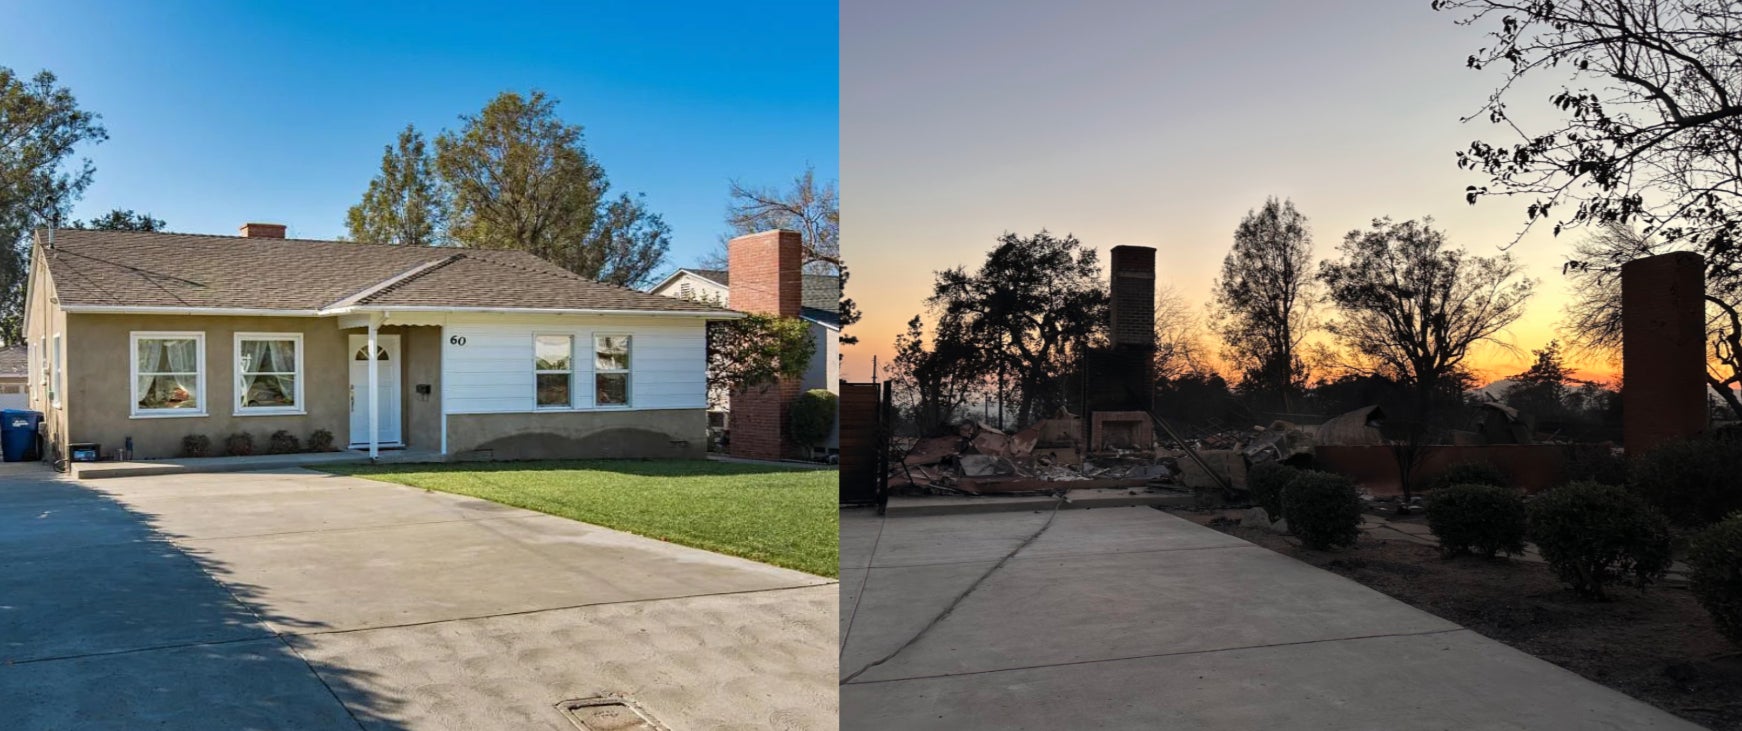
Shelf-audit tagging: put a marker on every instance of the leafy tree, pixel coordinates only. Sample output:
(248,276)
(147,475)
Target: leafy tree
(1263,298)
(405,202)
(40,125)
(810,207)
(122,220)
(933,385)
(1646,131)
(1410,309)
(518,177)
(1031,309)
(1542,389)
(757,350)
(1594,315)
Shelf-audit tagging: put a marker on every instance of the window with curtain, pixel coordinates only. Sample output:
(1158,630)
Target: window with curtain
(268,371)
(168,373)
(611,370)
(553,367)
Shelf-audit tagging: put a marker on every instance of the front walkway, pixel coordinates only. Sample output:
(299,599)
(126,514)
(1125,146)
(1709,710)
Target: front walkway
(1133,618)
(299,600)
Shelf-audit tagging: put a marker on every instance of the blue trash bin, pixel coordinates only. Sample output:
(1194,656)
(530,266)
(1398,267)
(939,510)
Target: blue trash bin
(18,429)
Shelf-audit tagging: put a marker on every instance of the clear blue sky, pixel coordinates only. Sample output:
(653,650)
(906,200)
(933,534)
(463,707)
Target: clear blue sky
(221,113)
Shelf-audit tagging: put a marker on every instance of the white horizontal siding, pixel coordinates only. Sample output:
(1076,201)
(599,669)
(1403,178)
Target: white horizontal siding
(493,371)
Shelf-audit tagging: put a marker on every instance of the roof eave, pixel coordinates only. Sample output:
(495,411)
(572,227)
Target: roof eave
(708,314)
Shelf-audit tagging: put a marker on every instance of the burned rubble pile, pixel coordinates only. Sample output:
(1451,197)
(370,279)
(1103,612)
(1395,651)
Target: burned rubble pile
(1049,456)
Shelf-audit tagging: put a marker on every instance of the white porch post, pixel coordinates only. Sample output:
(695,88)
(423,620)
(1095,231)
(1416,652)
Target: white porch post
(374,391)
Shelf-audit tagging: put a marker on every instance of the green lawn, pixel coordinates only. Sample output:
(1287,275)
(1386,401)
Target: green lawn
(786,517)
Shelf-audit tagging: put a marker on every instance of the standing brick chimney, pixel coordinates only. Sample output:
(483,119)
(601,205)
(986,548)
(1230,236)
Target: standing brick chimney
(263,230)
(1133,295)
(1663,349)
(766,277)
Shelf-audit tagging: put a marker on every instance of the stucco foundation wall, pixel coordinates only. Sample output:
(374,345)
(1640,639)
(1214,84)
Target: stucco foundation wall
(98,394)
(662,433)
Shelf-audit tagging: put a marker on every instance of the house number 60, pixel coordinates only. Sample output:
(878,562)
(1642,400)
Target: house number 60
(457,340)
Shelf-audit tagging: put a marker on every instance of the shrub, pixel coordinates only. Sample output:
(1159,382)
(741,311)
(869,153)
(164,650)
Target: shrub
(1592,534)
(196,445)
(1693,481)
(283,442)
(1323,509)
(813,415)
(320,441)
(1265,481)
(1484,518)
(240,444)
(1595,463)
(1715,573)
(1467,473)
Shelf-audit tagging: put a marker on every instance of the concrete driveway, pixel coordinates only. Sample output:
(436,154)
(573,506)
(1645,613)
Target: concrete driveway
(1132,618)
(299,600)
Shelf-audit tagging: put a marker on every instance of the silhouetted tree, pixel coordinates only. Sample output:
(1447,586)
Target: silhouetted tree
(1263,298)
(1410,309)
(1032,308)
(933,385)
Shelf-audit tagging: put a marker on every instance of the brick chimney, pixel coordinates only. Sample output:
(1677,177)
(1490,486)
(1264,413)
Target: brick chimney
(766,277)
(263,230)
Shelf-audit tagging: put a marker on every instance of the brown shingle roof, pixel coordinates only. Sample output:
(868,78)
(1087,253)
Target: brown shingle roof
(132,268)
(819,291)
(15,360)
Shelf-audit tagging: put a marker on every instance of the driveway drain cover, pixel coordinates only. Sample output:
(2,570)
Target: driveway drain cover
(608,714)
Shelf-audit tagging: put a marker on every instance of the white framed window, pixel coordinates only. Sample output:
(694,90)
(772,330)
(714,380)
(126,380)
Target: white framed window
(55,375)
(553,367)
(610,370)
(168,373)
(269,373)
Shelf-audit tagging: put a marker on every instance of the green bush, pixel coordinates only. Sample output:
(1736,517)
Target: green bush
(1323,509)
(196,445)
(1693,481)
(240,444)
(1265,481)
(1467,473)
(813,415)
(1486,519)
(1592,534)
(1715,564)
(320,441)
(283,442)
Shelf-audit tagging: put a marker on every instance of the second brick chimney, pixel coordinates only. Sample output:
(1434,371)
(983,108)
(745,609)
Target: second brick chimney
(263,230)
(766,276)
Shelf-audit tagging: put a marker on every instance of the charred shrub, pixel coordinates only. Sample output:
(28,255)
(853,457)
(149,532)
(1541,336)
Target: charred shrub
(1468,473)
(1265,481)
(240,444)
(283,442)
(1593,534)
(196,445)
(1323,510)
(1693,481)
(1485,519)
(1715,564)
(320,441)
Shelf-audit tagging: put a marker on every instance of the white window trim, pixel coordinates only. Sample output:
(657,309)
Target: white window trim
(301,407)
(536,372)
(56,371)
(628,373)
(133,338)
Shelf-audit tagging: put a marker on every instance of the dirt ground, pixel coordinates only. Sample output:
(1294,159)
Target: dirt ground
(1658,646)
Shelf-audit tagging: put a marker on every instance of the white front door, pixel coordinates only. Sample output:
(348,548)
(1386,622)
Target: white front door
(386,362)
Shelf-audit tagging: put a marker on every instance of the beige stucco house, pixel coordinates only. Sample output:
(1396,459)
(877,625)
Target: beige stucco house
(461,352)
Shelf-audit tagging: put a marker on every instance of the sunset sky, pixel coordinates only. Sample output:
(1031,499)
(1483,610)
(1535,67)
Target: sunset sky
(1159,126)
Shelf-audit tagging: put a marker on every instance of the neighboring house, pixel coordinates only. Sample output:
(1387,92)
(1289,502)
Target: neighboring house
(818,303)
(14,377)
(474,353)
